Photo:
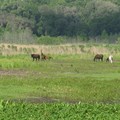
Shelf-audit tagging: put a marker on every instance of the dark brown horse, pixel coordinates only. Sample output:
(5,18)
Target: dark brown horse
(98,57)
(35,56)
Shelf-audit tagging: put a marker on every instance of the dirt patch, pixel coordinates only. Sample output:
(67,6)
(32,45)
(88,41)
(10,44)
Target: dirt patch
(14,72)
(43,100)
(40,100)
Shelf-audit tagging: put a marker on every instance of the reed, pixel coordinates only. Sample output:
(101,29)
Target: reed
(13,49)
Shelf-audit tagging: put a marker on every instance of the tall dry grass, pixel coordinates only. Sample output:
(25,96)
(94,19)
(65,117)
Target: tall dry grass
(13,49)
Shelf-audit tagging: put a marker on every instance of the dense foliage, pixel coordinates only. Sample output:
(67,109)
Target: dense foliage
(85,18)
(58,111)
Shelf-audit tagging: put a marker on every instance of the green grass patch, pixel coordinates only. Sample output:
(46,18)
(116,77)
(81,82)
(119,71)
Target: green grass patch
(65,88)
(58,111)
(67,77)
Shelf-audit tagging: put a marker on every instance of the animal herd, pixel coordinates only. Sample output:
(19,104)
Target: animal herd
(38,57)
(99,57)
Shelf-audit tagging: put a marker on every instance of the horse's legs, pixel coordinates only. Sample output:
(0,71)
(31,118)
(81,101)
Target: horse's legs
(110,60)
(38,58)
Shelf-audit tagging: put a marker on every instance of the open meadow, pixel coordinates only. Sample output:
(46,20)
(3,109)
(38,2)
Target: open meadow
(65,77)
(71,82)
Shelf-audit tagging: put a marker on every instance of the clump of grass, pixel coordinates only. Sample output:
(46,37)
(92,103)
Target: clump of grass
(20,49)
(3,46)
(9,46)
(82,48)
(14,48)
(25,50)
(33,49)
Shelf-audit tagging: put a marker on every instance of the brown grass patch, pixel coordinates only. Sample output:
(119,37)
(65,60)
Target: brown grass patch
(13,49)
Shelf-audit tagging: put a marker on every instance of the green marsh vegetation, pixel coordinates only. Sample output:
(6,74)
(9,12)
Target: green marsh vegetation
(66,77)
(61,111)
(71,76)
(70,86)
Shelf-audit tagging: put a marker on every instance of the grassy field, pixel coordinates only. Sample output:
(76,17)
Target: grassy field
(70,86)
(64,78)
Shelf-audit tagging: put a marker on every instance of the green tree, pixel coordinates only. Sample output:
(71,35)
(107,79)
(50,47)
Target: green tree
(101,15)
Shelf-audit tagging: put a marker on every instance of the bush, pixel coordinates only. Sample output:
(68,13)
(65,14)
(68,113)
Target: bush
(50,40)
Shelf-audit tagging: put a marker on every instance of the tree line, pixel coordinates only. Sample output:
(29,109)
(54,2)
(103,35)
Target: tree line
(60,18)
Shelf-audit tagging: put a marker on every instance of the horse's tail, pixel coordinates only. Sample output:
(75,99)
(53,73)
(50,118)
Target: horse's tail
(32,55)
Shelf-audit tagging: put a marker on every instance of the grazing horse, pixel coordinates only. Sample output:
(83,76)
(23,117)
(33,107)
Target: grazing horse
(45,57)
(109,59)
(35,56)
(98,57)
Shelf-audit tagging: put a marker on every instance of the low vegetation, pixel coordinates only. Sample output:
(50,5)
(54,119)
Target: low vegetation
(77,87)
(68,49)
(59,111)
